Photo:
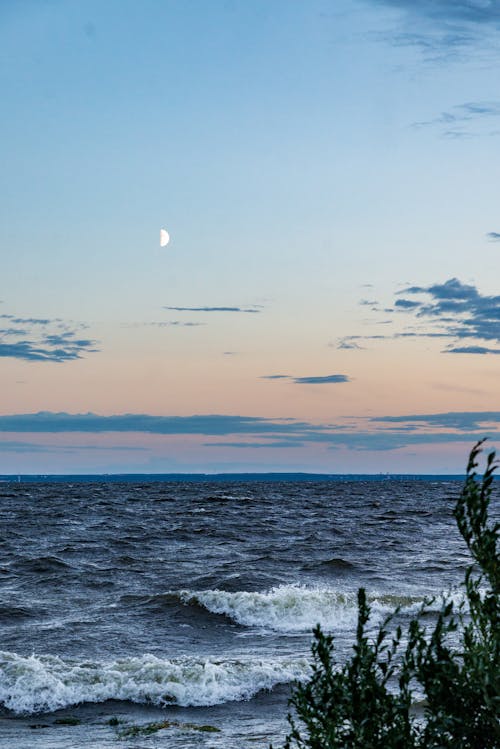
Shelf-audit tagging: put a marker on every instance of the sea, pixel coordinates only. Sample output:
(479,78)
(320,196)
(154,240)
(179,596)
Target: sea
(178,611)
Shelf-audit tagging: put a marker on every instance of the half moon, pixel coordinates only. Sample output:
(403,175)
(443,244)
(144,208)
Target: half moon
(164,238)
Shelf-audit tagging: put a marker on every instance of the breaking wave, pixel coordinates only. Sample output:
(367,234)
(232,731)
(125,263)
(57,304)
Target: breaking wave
(47,683)
(294,608)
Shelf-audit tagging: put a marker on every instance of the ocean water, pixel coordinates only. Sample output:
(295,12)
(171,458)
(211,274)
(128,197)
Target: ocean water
(127,603)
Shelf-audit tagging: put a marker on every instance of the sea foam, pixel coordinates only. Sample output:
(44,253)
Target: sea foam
(46,683)
(292,608)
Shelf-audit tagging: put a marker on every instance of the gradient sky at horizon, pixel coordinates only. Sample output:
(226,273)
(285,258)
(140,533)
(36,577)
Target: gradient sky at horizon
(328,172)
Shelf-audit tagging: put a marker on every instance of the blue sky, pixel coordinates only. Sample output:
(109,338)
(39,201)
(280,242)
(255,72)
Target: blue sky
(328,174)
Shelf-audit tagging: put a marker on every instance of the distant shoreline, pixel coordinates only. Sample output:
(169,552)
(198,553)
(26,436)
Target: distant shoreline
(222,477)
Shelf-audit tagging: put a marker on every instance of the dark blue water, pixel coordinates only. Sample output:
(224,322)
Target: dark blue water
(193,601)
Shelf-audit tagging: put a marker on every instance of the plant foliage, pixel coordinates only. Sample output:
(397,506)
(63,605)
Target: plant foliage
(368,703)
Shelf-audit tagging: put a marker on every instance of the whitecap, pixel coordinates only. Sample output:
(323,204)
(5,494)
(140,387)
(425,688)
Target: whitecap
(46,683)
(299,608)
(284,608)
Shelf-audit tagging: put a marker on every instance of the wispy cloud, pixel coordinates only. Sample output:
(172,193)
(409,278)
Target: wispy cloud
(37,447)
(493,236)
(348,342)
(443,29)
(450,310)
(42,339)
(176,324)
(474,11)
(465,420)
(457,121)
(312,380)
(254,309)
(256,445)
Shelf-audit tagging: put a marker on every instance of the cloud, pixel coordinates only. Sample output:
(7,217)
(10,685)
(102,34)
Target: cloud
(164,324)
(405,304)
(319,380)
(347,343)
(464,420)
(37,447)
(351,341)
(30,320)
(444,29)
(456,122)
(23,447)
(254,309)
(253,445)
(474,11)
(314,380)
(176,323)
(493,236)
(452,310)
(464,312)
(210,424)
(471,350)
(42,339)
(375,433)
(467,112)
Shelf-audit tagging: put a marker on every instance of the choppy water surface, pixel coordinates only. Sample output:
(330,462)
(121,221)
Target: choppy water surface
(194,602)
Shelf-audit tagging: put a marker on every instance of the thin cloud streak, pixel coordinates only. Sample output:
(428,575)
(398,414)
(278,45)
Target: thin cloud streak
(471,111)
(468,120)
(248,310)
(255,445)
(321,380)
(37,447)
(471,350)
(312,380)
(450,419)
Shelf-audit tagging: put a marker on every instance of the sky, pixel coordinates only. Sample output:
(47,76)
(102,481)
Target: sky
(328,173)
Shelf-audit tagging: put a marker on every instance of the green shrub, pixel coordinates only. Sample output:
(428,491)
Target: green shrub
(456,664)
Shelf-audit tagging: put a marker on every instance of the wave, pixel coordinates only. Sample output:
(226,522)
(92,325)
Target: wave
(11,612)
(40,564)
(336,564)
(39,684)
(292,608)
(297,608)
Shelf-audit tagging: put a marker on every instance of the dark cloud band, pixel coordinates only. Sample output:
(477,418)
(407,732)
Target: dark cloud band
(376,433)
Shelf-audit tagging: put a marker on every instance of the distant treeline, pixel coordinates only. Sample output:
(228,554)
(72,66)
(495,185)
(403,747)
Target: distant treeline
(138,478)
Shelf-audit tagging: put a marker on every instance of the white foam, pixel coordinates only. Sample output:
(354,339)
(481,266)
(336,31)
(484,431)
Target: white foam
(298,608)
(47,683)
(285,608)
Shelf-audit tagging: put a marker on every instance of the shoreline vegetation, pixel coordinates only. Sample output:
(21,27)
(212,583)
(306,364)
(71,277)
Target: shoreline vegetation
(369,703)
